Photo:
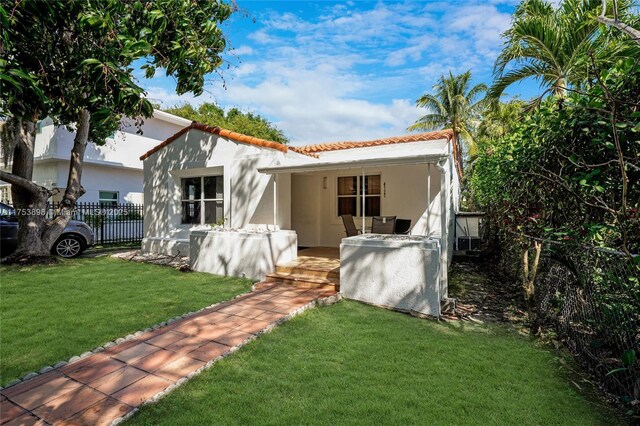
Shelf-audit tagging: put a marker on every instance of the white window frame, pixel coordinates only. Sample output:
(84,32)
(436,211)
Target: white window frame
(202,200)
(358,194)
(110,200)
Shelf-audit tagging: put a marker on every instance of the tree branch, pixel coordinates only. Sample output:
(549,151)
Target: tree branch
(21,182)
(627,29)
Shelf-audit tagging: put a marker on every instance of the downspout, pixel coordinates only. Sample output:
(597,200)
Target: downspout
(364,193)
(444,218)
(275,202)
(428,199)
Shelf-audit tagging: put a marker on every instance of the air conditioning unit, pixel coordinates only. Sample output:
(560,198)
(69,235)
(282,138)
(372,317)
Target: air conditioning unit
(468,243)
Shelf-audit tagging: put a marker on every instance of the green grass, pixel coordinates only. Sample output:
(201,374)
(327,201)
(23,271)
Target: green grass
(355,364)
(50,313)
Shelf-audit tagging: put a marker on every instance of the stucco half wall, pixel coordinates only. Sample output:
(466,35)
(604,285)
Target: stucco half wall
(401,272)
(244,254)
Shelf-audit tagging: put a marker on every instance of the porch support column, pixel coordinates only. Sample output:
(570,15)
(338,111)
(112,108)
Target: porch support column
(443,167)
(275,201)
(428,199)
(364,192)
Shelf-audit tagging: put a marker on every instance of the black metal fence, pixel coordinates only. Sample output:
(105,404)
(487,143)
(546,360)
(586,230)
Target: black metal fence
(111,223)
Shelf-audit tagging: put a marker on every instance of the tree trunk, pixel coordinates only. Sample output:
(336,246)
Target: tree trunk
(457,154)
(36,235)
(74,189)
(29,199)
(528,284)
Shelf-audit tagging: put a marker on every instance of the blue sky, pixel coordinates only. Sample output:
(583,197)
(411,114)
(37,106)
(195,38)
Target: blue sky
(326,71)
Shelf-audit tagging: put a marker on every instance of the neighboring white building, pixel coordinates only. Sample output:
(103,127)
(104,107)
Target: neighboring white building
(267,198)
(111,172)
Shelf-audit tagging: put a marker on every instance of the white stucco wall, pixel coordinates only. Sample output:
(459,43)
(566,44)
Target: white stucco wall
(241,254)
(402,274)
(114,166)
(314,212)
(248,194)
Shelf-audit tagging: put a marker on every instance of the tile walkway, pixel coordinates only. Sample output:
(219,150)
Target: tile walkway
(103,387)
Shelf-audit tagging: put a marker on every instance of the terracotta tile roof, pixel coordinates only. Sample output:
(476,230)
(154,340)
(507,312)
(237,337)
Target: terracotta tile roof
(308,150)
(334,146)
(238,137)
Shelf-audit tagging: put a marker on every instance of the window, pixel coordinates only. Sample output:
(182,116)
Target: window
(108,198)
(202,200)
(351,190)
(5,194)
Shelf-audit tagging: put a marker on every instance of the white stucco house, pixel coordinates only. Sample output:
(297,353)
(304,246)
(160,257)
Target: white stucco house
(239,205)
(112,173)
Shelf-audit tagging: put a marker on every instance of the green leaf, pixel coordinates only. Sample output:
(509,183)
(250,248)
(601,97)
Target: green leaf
(629,357)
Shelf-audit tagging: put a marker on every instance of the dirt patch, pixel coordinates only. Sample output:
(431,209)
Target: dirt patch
(30,260)
(179,262)
(482,294)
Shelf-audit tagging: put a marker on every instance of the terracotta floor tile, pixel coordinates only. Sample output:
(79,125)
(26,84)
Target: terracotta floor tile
(188,327)
(232,309)
(179,368)
(187,344)
(233,338)
(214,317)
(285,308)
(209,351)
(117,380)
(232,322)
(45,392)
(254,326)
(100,414)
(267,306)
(142,390)
(83,363)
(270,316)
(136,352)
(15,390)
(9,411)
(260,297)
(166,339)
(250,313)
(214,331)
(90,372)
(156,360)
(25,420)
(69,404)
(121,347)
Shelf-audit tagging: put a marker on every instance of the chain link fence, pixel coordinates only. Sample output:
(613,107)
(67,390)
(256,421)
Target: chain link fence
(591,298)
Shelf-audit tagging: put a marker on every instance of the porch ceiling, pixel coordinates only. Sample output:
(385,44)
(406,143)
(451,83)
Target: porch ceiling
(315,166)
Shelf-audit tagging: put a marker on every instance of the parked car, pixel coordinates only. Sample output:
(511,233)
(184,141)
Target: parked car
(75,238)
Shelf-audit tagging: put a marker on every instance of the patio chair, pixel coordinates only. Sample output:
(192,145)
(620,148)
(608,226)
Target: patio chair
(349,225)
(403,226)
(383,224)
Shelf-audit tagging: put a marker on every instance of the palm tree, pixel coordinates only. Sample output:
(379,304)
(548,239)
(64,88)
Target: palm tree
(454,103)
(551,45)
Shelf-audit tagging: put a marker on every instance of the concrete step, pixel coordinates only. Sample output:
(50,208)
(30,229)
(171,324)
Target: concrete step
(306,271)
(303,280)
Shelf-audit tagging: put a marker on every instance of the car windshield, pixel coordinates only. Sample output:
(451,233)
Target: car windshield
(6,211)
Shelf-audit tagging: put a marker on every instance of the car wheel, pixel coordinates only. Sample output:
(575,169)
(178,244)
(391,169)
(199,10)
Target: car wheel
(69,246)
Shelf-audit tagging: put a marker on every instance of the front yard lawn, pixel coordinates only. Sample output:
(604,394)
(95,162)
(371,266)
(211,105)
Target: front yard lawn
(50,313)
(356,364)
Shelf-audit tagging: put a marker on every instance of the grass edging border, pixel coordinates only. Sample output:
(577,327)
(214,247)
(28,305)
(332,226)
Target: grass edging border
(325,301)
(119,340)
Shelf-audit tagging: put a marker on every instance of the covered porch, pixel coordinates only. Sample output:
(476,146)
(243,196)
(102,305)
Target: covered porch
(413,188)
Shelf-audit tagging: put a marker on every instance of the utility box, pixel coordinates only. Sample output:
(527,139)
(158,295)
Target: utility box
(469,231)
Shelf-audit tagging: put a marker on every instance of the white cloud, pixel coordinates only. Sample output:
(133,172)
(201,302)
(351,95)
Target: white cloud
(354,73)
(243,50)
